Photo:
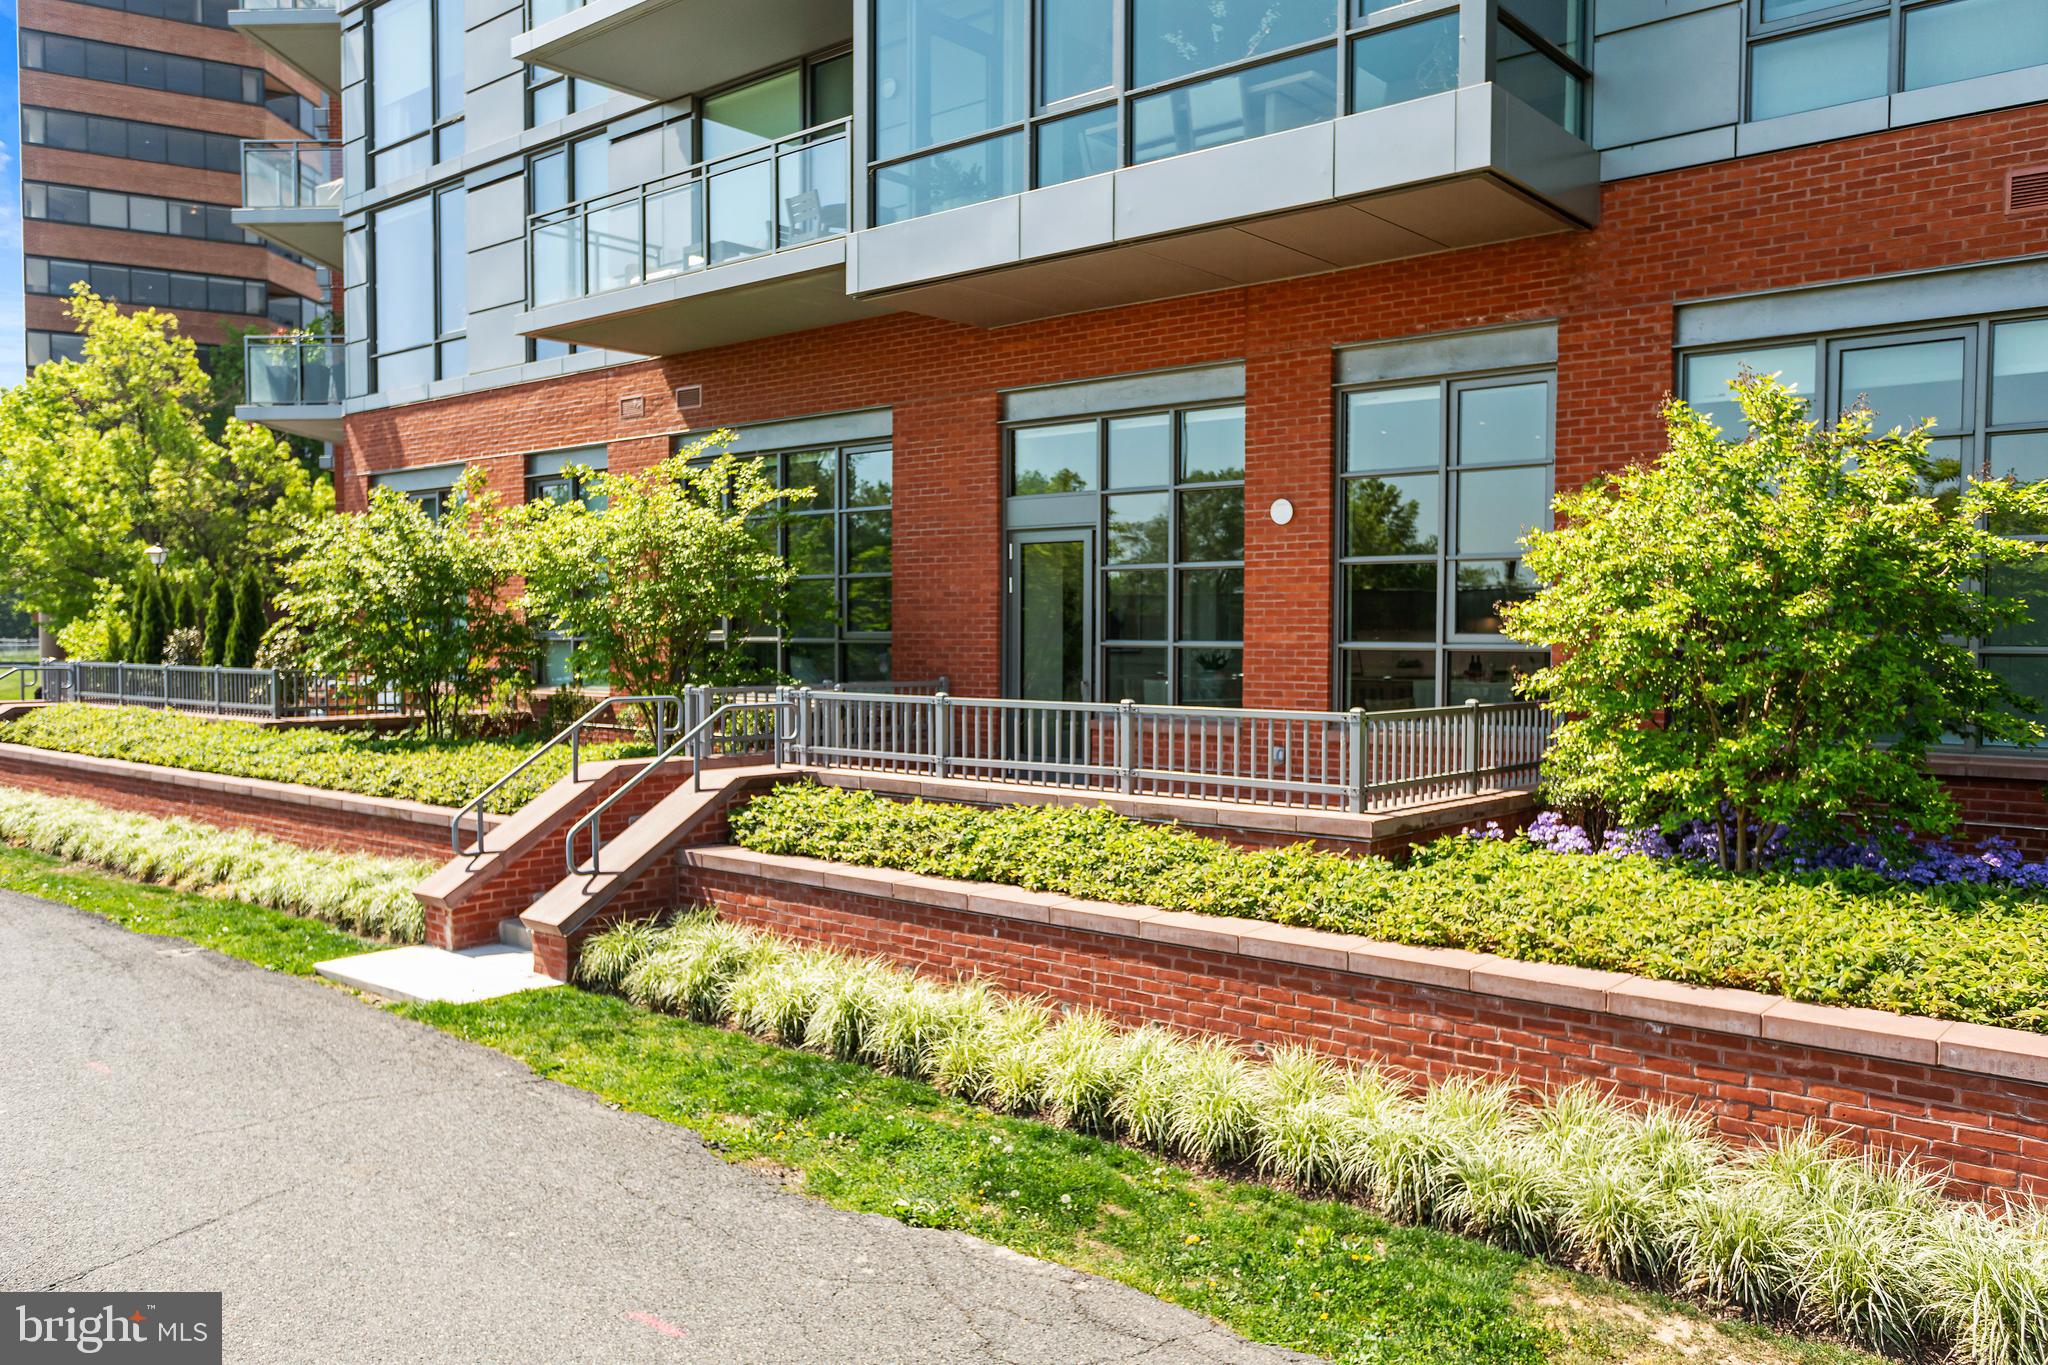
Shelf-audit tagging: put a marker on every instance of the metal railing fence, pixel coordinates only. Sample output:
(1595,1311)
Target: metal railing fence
(269,692)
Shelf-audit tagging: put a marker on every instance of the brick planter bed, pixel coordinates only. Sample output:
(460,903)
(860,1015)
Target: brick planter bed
(311,817)
(1972,1098)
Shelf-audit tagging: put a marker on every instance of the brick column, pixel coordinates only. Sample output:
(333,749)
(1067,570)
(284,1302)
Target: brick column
(948,542)
(1288,594)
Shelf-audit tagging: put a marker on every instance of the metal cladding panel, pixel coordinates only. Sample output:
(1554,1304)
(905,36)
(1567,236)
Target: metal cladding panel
(1662,79)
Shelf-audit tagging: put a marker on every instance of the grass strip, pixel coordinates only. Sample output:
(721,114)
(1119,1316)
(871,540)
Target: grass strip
(1321,1276)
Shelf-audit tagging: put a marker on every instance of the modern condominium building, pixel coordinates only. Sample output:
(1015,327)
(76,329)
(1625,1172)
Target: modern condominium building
(135,114)
(1203,351)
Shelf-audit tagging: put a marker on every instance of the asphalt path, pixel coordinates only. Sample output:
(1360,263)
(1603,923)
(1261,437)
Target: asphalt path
(363,1188)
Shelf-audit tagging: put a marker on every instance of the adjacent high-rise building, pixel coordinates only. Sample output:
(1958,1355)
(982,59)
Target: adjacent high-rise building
(1213,352)
(135,119)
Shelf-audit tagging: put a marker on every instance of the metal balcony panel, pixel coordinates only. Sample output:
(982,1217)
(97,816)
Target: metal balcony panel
(314,232)
(664,49)
(793,290)
(307,39)
(1460,169)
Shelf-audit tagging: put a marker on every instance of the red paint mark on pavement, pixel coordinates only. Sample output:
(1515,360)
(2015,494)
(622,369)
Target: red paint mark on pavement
(100,1067)
(661,1325)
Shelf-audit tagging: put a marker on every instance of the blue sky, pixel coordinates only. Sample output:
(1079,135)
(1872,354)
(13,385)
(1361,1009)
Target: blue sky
(10,200)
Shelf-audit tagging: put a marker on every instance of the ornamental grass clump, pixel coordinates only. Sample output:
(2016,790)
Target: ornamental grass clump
(1800,1231)
(366,895)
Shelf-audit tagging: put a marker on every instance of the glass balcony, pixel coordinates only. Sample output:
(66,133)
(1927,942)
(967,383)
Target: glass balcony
(291,194)
(294,382)
(781,195)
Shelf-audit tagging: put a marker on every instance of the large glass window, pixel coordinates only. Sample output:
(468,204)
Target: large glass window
(1810,54)
(837,615)
(977,99)
(415,85)
(1439,482)
(419,307)
(147,287)
(1906,377)
(1170,527)
(154,142)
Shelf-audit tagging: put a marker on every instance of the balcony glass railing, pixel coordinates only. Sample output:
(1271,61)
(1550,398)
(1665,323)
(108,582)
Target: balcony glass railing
(779,195)
(291,175)
(292,370)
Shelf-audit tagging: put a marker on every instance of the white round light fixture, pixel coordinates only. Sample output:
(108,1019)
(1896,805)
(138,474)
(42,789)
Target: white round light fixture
(1282,511)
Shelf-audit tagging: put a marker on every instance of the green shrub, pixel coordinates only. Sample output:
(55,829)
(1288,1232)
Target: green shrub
(409,767)
(1800,1230)
(364,894)
(1843,938)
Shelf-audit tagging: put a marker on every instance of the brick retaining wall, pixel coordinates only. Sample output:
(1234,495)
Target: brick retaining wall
(308,816)
(1972,1098)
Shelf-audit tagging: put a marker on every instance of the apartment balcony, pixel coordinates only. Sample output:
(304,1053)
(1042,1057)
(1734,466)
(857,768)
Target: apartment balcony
(1463,134)
(749,246)
(294,383)
(306,34)
(291,194)
(664,49)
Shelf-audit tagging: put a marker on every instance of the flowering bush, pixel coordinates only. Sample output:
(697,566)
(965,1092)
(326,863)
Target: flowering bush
(1993,862)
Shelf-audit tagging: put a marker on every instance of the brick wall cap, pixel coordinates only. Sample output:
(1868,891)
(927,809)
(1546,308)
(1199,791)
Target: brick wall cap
(1708,1007)
(1217,933)
(1102,917)
(1871,1033)
(1550,983)
(1290,943)
(1034,909)
(1449,967)
(2012,1053)
(285,793)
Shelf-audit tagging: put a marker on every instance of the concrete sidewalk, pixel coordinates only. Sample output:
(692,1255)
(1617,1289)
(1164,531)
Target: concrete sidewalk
(362,1188)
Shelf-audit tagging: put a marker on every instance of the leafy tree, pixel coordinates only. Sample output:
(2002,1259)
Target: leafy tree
(646,578)
(413,603)
(102,457)
(1773,630)
(245,632)
(220,620)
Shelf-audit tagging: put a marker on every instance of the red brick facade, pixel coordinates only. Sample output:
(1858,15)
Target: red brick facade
(1989,1130)
(1898,201)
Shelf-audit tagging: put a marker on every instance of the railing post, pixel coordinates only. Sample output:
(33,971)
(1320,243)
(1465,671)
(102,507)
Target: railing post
(942,732)
(276,693)
(803,727)
(779,720)
(1127,746)
(1472,746)
(1354,743)
(120,684)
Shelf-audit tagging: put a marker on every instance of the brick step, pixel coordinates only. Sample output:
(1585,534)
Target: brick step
(633,858)
(463,877)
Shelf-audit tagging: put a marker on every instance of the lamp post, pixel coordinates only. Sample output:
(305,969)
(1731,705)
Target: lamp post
(157,555)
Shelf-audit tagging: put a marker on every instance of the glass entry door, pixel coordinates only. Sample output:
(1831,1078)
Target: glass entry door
(1051,615)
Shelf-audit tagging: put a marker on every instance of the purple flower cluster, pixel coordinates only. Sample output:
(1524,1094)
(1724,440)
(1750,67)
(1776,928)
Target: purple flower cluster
(1992,862)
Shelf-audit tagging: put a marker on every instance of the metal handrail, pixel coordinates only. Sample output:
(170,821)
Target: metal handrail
(694,738)
(661,702)
(577,217)
(42,673)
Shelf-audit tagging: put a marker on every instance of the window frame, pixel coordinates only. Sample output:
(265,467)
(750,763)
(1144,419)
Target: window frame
(1172,644)
(1979,332)
(1446,640)
(442,341)
(1761,32)
(438,125)
(1351,21)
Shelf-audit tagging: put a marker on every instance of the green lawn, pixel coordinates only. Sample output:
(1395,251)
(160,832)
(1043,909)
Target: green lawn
(1326,1277)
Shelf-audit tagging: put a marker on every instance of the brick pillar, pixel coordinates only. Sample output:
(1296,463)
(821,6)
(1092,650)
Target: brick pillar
(948,542)
(1288,598)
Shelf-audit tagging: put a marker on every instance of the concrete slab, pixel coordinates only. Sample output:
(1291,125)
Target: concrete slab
(435,974)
